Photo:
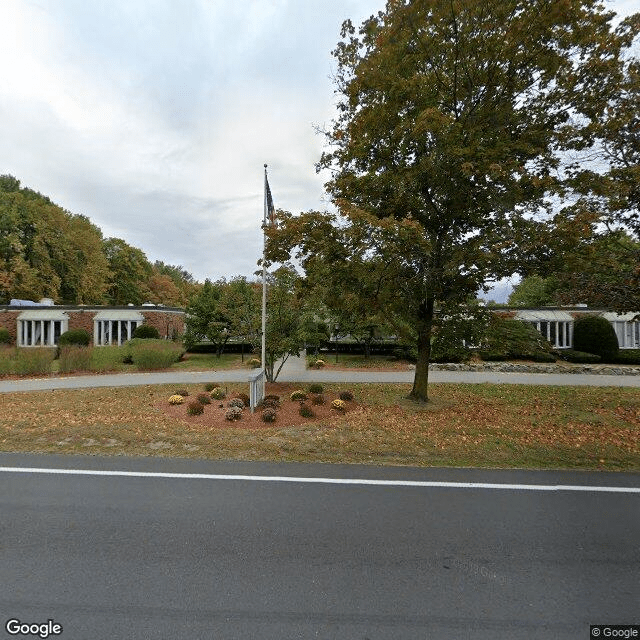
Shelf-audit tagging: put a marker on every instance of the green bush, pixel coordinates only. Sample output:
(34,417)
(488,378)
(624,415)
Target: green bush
(543,356)
(316,388)
(74,337)
(580,357)
(203,398)
(148,354)
(594,334)
(108,358)
(461,354)
(298,394)
(628,356)
(512,339)
(146,332)
(493,356)
(34,360)
(72,358)
(405,352)
(5,336)
(347,396)
(210,386)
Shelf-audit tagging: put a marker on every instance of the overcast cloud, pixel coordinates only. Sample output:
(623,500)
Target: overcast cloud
(154,119)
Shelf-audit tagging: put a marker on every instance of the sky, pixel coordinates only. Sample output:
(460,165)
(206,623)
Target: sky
(155,118)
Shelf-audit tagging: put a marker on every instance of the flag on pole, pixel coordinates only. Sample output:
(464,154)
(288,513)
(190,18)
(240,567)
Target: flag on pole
(270,209)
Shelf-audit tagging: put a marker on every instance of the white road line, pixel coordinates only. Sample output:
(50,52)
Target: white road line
(346,481)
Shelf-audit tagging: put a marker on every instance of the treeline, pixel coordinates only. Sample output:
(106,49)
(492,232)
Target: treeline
(48,252)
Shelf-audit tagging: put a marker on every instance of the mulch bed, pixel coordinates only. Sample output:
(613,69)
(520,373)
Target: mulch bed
(287,415)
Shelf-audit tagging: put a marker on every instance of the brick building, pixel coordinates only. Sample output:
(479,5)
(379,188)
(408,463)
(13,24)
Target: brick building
(41,324)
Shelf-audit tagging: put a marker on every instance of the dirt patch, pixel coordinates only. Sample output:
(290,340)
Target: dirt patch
(288,414)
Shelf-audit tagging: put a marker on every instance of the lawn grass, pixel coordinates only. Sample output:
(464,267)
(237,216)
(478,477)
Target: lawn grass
(358,361)
(492,426)
(202,361)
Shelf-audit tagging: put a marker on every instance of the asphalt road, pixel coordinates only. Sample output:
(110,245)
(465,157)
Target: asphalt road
(195,377)
(116,556)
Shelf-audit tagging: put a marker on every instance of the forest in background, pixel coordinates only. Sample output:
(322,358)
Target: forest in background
(48,252)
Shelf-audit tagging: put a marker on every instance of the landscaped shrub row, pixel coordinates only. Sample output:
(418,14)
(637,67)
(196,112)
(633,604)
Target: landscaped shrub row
(145,354)
(579,357)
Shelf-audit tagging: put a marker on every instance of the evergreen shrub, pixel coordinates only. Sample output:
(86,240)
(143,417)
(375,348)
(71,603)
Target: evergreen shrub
(146,332)
(628,356)
(579,357)
(268,415)
(5,336)
(594,334)
(74,337)
(316,388)
(507,339)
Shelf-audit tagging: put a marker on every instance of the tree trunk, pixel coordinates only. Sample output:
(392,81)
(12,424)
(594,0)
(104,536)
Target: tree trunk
(421,378)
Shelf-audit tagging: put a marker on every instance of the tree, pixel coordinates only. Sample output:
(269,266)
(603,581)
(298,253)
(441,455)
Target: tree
(207,316)
(451,119)
(47,251)
(244,308)
(129,272)
(534,291)
(285,328)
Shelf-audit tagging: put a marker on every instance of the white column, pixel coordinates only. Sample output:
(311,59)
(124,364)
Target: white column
(19,333)
(119,333)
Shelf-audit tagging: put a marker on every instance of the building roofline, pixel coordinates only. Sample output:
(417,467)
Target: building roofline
(90,307)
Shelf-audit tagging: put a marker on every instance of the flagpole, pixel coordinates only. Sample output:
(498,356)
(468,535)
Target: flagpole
(264,278)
